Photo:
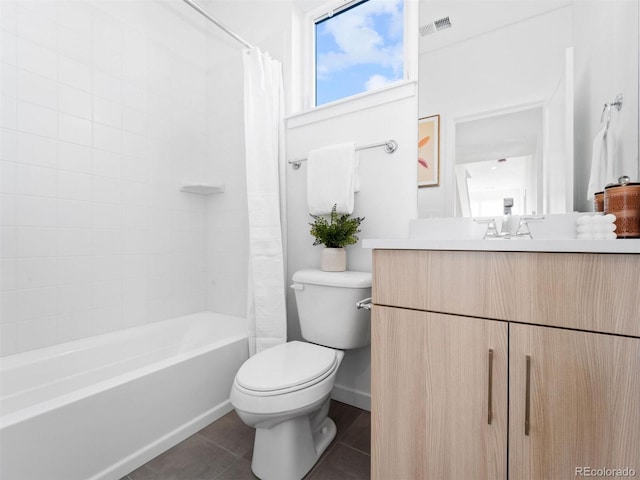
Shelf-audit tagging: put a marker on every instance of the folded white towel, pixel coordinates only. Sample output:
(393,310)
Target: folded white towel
(596,227)
(331,178)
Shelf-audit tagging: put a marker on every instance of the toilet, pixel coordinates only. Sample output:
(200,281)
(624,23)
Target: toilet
(284,391)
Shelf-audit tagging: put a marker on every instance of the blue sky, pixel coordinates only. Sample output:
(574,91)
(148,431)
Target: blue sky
(358,50)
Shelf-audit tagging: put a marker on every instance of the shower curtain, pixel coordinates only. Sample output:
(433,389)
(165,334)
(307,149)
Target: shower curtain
(263,118)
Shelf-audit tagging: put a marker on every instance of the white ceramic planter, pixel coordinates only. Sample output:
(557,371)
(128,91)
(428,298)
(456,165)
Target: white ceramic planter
(334,259)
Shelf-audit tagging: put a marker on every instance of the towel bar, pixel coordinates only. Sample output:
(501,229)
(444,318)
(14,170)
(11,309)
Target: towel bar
(390,146)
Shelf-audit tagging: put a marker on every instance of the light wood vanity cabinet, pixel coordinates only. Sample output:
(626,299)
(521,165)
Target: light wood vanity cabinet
(430,401)
(451,334)
(584,402)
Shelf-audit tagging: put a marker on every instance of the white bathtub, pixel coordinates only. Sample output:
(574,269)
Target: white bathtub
(100,407)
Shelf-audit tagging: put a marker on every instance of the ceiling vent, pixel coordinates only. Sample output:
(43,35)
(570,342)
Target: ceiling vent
(436,26)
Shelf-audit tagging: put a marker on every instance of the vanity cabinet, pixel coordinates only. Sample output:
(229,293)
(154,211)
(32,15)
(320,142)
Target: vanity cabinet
(489,365)
(431,396)
(584,402)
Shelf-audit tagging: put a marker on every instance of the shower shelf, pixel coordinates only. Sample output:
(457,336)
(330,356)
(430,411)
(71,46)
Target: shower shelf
(203,189)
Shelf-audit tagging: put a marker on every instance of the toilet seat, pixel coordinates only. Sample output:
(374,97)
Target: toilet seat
(301,387)
(286,368)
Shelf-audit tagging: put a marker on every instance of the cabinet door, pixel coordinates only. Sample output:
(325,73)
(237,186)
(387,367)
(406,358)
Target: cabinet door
(584,403)
(430,396)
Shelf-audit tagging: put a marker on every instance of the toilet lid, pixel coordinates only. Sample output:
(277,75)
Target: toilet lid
(285,366)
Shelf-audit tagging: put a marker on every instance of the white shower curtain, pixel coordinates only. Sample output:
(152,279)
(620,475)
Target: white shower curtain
(263,118)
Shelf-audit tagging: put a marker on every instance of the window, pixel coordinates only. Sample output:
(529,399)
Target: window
(358,47)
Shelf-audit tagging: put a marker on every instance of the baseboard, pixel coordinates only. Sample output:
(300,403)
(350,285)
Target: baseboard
(351,396)
(155,448)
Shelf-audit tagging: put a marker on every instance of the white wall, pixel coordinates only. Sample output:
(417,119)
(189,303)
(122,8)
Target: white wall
(103,117)
(495,70)
(601,74)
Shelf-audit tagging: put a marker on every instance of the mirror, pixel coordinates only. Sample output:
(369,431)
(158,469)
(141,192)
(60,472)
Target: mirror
(498,157)
(520,87)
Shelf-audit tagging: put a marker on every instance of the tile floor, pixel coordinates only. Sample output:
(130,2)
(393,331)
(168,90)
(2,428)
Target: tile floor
(222,451)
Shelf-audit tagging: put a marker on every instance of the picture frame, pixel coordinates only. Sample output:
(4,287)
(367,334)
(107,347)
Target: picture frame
(429,151)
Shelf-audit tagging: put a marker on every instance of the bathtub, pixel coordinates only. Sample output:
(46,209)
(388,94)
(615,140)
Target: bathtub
(100,407)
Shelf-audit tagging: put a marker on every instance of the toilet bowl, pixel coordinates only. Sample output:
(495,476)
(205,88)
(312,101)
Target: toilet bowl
(284,391)
(287,401)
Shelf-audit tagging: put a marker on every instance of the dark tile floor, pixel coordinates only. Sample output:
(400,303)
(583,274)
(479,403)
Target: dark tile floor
(222,451)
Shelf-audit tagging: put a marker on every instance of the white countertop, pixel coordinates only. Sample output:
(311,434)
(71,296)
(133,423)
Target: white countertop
(515,245)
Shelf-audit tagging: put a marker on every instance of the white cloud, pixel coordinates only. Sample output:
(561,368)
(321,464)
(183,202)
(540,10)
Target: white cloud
(378,81)
(358,41)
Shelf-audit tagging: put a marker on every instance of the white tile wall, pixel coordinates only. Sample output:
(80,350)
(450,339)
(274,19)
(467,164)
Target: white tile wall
(76,130)
(35,119)
(36,150)
(72,157)
(103,118)
(74,73)
(36,58)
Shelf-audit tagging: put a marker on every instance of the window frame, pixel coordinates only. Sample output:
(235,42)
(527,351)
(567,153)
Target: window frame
(327,9)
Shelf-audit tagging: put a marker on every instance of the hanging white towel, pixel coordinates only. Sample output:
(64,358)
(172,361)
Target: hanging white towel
(610,145)
(331,178)
(598,177)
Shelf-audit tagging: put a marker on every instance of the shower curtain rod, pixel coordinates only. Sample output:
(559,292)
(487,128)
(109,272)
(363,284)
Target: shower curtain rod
(204,13)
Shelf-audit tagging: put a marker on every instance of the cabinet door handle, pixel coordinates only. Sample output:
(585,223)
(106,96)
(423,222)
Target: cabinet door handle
(490,388)
(527,404)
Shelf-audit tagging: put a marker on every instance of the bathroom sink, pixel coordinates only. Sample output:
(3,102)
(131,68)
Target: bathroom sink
(548,227)
(554,233)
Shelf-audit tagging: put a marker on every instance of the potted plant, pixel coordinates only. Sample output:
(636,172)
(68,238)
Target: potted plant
(335,234)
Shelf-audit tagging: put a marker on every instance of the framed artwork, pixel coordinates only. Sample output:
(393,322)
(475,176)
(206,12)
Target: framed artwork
(429,151)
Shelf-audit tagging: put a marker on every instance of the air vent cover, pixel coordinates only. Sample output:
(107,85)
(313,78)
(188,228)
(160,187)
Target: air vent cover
(427,29)
(435,26)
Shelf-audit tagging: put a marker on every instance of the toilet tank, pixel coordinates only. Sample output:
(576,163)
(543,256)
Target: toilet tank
(327,307)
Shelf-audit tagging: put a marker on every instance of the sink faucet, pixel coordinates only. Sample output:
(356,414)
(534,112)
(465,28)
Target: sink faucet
(505,229)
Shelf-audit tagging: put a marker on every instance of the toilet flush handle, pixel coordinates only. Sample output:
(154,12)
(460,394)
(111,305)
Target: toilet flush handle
(364,304)
(297,286)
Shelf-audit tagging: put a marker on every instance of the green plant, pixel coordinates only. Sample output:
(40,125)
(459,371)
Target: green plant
(338,232)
